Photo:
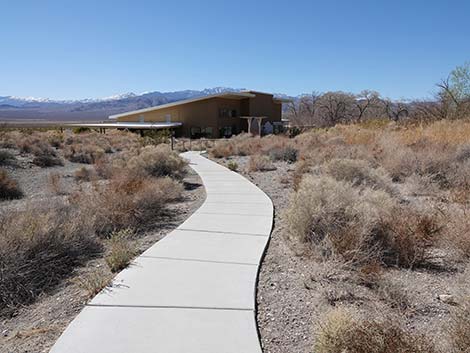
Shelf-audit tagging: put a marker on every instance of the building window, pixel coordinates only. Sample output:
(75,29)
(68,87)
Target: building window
(168,118)
(201,132)
(227,113)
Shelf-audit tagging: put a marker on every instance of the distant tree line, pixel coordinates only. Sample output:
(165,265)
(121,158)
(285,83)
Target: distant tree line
(451,101)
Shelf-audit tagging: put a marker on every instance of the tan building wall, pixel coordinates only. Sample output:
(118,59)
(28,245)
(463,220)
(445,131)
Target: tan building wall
(211,115)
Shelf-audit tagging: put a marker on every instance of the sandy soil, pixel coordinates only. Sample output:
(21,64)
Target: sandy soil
(35,328)
(294,292)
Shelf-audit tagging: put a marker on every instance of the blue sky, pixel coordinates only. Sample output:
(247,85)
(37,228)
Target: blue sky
(79,49)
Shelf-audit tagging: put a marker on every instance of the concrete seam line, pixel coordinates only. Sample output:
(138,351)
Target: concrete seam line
(235,214)
(222,232)
(199,260)
(168,307)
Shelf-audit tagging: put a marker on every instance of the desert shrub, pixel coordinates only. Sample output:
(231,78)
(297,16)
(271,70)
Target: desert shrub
(84,174)
(80,130)
(9,188)
(232,165)
(55,138)
(127,201)
(104,168)
(459,327)
(343,330)
(358,173)
(301,168)
(121,250)
(6,157)
(158,161)
(286,154)
(260,163)
(80,153)
(458,234)
(38,248)
(222,149)
(47,160)
(55,184)
(335,219)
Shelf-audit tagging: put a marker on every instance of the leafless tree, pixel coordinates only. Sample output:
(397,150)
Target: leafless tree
(396,110)
(336,107)
(366,101)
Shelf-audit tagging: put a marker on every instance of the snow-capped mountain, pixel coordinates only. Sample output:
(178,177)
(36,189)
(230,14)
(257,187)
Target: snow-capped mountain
(12,107)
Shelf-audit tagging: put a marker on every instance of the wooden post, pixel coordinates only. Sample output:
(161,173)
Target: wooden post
(259,125)
(190,144)
(249,125)
(172,138)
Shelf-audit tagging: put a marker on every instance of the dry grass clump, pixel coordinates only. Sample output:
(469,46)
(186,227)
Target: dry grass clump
(121,250)
(9,188)
(37,144)
(94,282)
(359,226)
(343,330)
(259,163)
(38,248)
(127,201)
(158,161)
(358,173)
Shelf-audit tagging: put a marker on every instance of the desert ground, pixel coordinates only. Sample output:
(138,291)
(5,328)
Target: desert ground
(75,208)
(369,251)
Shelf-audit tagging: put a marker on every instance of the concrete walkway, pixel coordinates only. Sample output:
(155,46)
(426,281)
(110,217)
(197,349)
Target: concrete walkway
(194,290)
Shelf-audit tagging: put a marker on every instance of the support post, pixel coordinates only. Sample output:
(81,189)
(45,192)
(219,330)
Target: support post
(259,125)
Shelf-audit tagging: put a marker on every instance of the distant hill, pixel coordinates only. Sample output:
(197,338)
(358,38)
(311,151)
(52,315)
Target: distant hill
(13,108)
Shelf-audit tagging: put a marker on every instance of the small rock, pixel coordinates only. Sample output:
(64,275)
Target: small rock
(447,299)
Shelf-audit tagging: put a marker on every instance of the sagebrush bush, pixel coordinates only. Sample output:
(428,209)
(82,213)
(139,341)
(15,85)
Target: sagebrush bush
(6,157)
(232,165)
(38,248)
(158,161)
(260,163)
(121,250)
(9,188)
(335,219)
(343,330)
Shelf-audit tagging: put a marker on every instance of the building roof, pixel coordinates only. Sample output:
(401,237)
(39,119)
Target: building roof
(128,125)
(228,95)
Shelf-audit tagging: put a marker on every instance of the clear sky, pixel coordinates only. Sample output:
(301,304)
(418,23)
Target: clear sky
(77,49)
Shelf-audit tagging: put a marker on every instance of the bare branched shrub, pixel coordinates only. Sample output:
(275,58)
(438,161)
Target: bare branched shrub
(38,248)
(56,185)
(9,188)
(286,154)
(260,163)
(344,330)
(127,201)
(158,161)
(81,153)
(121,250)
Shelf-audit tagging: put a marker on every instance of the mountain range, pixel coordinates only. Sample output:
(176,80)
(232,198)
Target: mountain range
(30,108)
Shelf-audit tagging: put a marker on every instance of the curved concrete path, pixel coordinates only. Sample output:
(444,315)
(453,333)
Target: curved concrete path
(194,290)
